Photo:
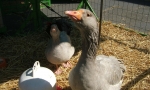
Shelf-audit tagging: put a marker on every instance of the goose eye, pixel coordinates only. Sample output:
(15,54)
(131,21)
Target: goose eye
(88,15)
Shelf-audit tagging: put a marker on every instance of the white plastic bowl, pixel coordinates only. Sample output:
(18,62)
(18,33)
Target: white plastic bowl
(37,78)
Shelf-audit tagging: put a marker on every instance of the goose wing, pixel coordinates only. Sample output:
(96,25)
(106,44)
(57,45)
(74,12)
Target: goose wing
(112,68)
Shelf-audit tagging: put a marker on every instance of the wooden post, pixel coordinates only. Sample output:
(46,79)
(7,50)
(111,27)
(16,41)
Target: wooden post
(2,28)
(1,19)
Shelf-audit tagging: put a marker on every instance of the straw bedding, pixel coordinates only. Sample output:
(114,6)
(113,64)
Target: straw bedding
(132,48)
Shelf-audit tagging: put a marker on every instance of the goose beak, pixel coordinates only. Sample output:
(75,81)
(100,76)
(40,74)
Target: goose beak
(75,15)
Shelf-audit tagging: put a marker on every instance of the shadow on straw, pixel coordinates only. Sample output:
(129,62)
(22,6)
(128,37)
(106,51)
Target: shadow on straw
(136,80)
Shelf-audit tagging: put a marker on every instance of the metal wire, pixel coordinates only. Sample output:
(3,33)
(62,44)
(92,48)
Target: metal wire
(133,14)
(100,19)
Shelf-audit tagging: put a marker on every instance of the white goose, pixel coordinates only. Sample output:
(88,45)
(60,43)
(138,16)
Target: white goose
(59,49)
(93,72)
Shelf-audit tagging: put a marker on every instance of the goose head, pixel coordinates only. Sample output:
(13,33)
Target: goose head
(54,31)
(88,26)
(84,20)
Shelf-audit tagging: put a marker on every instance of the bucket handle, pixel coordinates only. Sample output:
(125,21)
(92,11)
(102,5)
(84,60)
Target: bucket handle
(35,67)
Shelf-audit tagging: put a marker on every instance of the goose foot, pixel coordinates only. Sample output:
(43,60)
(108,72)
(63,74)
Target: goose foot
(67,64)
(58,71)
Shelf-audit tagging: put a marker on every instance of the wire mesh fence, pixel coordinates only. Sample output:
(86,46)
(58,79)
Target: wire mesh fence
(134,14)
(59,8)
(131,14)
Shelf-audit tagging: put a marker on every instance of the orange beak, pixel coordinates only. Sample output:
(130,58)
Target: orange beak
(75,15)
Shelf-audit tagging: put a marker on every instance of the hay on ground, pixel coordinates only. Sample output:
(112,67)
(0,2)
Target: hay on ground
(132,48)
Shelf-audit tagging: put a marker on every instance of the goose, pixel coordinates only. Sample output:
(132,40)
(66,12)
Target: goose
(59,49)
(93,72)
(62,24)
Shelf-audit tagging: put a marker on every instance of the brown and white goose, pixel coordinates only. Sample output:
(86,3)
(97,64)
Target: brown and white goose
(59,49)
(93,72)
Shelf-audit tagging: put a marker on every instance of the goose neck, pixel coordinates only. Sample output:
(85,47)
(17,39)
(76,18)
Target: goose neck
(89,45)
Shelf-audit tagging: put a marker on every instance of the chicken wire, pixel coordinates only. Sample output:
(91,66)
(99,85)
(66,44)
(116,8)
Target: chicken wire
(60,8)
(133,14)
